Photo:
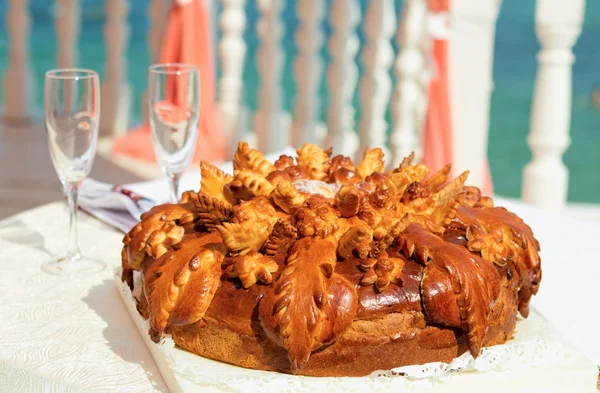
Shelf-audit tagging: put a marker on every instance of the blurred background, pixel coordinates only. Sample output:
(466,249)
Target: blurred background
(514,71)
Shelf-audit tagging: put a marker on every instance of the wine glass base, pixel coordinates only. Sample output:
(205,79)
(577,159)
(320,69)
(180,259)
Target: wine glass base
(73,266)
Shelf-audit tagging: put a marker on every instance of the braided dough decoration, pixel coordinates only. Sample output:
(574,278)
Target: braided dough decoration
(251,268)
(267,230)
(180,285)
(212,211)
(315,160)
(310,305)
(475,283)
(287,197)
(212,182)
(135,241)
(372,162)
(246,158)
(502,237)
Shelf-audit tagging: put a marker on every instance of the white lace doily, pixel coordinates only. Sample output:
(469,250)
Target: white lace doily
(535,350)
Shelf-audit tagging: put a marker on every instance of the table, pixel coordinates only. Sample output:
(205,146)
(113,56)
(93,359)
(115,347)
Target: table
(65,335)
(71,335)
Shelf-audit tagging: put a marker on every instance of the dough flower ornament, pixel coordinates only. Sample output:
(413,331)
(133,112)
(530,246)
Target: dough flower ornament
(316,265)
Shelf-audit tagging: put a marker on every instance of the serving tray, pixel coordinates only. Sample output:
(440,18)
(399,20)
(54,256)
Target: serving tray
(537,359)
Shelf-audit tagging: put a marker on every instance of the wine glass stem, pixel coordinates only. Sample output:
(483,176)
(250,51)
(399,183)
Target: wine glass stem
(174,182)
(72,190)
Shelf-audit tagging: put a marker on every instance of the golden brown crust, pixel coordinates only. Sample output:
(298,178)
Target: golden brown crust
(287,197)
(391,340)
(212,182)
(315,160)
(394,268)
(250,159)
(475,281)
(301,311)
(212,211)
(251,268)
(135,241)
(180,285)
(282,237)
(372,161)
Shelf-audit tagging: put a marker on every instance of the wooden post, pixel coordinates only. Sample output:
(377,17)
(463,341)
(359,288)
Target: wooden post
(232,52)
(271,133)
(308,69)
(375,84)
(116,90)
(471,51)
(545,177)
(18,77)
(408,92)
(342,75)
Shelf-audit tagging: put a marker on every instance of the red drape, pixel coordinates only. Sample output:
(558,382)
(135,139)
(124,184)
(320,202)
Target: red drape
(186,39)
(438,137)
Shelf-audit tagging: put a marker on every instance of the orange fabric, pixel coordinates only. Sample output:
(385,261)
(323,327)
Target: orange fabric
(186,39)
(437,136)
(438,133)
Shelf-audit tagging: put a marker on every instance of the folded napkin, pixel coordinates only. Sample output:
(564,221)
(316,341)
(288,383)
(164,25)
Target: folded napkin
(122,206)
(115,205)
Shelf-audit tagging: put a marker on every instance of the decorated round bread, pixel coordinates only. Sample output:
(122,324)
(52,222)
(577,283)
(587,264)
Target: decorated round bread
(317,266)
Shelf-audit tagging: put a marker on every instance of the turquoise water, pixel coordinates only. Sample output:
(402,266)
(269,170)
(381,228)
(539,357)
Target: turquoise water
(514,71)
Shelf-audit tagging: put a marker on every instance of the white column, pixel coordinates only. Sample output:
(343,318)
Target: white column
(342,75)
(472,31)
(376,84)
(67,32)
(116,90)
(158,11)
(545,177)
(408,93)
(232,51)
(270,132)
(18,77)
(308,69)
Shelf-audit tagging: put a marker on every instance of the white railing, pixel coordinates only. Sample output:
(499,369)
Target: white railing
(471,29)
(116,90)
(545,178)
(342,76)
(470,65)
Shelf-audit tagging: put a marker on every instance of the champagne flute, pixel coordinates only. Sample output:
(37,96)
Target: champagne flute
(174,107)
(72,110)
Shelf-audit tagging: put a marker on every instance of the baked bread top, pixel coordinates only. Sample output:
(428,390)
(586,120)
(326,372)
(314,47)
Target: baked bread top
(320,242)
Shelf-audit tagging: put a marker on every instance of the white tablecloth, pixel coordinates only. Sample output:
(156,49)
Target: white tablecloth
(70,335)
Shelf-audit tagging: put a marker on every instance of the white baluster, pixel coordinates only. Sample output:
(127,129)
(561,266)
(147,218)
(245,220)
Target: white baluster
(308,69)
(408,92)
(470,59)
(67,31)
(375,84)
(545,177)
(158,11)
(232,51)
(116,91)
(342,75)
(18,77)
(270,131)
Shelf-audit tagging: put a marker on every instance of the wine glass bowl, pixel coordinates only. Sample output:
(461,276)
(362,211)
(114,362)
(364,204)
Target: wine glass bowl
(72,113)
(174,108)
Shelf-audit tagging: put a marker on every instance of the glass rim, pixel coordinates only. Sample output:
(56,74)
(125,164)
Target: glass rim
(172,68)
(75,73)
